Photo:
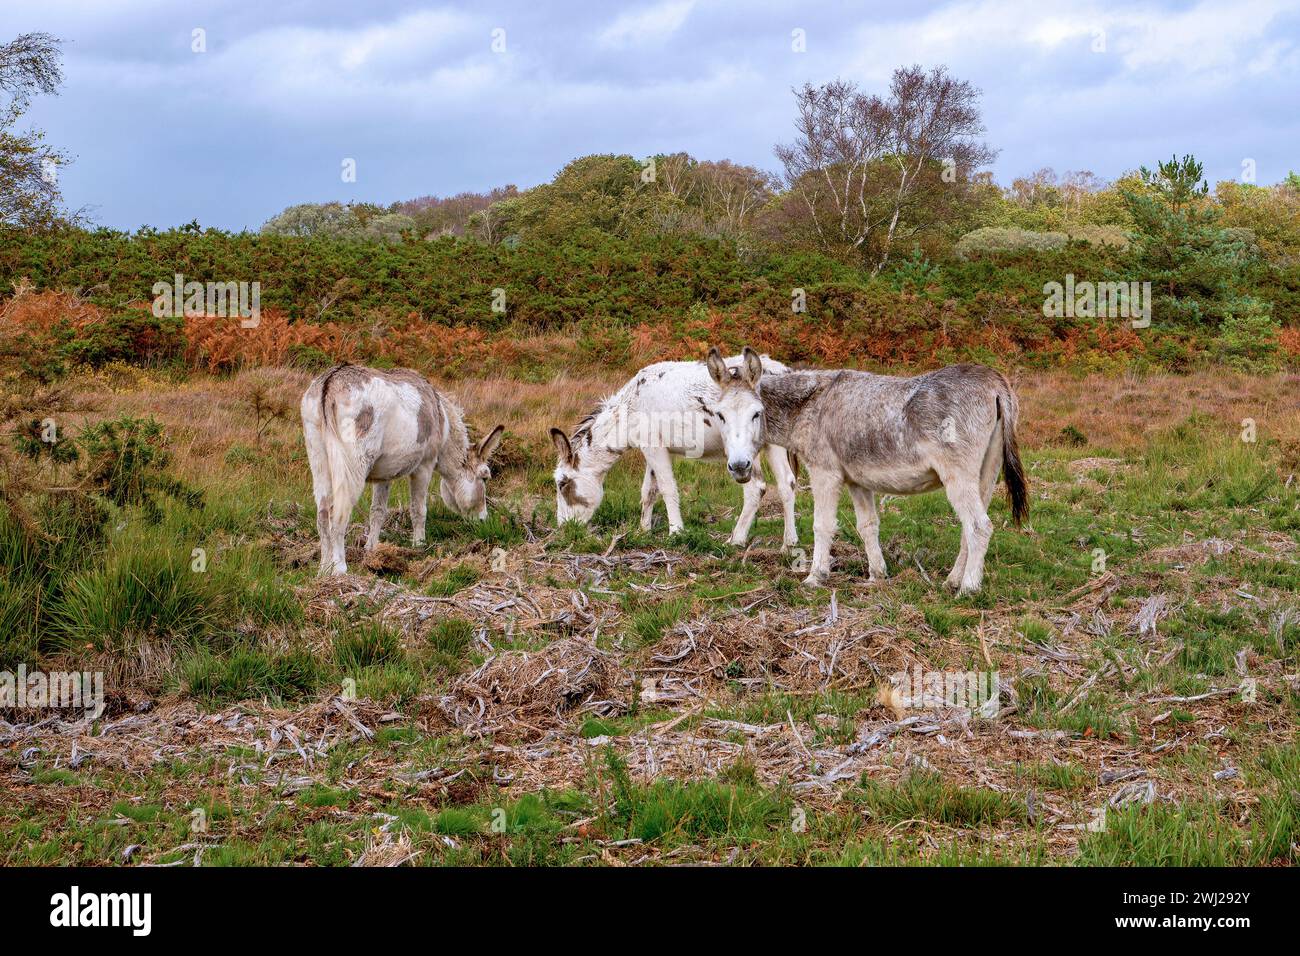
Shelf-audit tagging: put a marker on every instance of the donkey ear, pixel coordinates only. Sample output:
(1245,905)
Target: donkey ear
(490,443)
(717,366)
(752,365)
(561,441)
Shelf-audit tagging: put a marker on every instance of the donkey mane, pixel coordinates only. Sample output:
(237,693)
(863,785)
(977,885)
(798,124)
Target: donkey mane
(583,428)
(784,396)
(454,415)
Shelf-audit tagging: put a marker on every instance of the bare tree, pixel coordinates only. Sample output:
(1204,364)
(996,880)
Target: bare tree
(676,173)
(860,163)
(732,194)
(29,185)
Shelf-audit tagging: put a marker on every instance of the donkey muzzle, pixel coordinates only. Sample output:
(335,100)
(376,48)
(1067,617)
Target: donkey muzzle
(740,470)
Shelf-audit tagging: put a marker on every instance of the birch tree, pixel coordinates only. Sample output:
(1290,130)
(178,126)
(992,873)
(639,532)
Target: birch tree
(861,164)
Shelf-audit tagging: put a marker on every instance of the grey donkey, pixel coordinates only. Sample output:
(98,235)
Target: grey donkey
(954,427)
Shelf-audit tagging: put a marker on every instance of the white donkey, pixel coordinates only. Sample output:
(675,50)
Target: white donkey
(954,427)
(662,410)
(369,425)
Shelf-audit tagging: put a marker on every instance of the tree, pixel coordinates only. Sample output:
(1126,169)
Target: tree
(861,164)
(29,181)
(1180,245)
(452,216)
(314,219)
(611,194)
(1178,183)
(732,195)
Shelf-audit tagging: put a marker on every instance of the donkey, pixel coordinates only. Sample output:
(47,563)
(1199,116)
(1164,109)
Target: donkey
(662,411)
(369,425)
(954,427)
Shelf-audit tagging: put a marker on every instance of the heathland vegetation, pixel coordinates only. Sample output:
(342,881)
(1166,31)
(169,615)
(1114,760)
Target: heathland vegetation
(880,240)
(515,693)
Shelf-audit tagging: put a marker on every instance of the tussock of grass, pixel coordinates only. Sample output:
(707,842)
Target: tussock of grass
(251,674)
(366,644)
(927,796)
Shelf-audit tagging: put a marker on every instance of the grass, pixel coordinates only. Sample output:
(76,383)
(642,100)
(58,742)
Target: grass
(924,795)
(129,601)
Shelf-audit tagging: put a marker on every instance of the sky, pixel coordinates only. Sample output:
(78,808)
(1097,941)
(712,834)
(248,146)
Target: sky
(263,105)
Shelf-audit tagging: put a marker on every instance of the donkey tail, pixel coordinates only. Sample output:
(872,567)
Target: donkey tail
(344,471)
(327,421)
(1013,472)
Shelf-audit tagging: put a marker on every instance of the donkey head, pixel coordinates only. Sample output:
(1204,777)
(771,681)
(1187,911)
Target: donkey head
(579,487)
(738,410)
(464,488)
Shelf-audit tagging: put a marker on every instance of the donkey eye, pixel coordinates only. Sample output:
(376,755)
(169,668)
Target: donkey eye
(720,418)
(756,414)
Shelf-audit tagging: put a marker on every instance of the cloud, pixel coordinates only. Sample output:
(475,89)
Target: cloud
(416,94)
(651,24)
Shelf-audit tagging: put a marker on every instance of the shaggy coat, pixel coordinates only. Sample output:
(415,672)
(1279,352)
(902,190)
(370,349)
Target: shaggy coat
(663,411)
(953,428)
(364,425)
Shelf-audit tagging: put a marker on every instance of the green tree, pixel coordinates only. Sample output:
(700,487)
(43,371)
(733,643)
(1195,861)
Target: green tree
(1180,245)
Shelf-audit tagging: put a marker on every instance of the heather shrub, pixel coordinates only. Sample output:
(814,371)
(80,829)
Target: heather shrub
(992,239)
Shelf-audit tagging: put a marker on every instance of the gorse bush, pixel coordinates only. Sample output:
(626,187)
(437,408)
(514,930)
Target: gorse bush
(130,335)
(126,460)
(1249,338)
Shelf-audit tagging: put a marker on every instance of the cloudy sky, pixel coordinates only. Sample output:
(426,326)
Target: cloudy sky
(417,95)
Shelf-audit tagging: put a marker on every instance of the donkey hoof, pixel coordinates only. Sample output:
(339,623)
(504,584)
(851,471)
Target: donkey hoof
(815,581)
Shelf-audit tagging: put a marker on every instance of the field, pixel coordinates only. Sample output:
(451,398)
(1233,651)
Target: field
(513,694)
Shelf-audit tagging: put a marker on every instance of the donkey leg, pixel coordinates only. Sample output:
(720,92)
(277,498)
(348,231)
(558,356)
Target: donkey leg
(786,488)
(826,501)
(988,480)
(753,496)
(953,580)
(864,506)
(976,530)
(324,528)
(378,512)
(991,465)
(344,498)
(320,486)
(668,488)
(420,479)
(657,461)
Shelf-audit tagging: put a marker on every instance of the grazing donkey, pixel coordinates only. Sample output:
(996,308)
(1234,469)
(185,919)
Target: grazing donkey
(661,411)
(954,427)
(366,425)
